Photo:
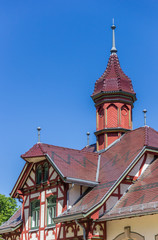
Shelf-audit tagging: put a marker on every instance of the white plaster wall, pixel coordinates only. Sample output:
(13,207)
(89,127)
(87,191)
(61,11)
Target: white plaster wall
(33,237)
(42,196)
(60,207)
(74,194)
(26,212)
(50,235)
(53,176)
(69,232)
(97,230)
(145,225)
(51,190)
(61,232)
(27,201)
(34,195)
(50,170)
(32,174)
(29,182)
(42,235)
(42,215)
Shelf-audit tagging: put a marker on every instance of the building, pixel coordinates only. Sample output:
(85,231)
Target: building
(107,190)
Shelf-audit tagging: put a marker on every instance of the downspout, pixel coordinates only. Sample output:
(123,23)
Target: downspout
(84,230)
(98,167)
(68,196)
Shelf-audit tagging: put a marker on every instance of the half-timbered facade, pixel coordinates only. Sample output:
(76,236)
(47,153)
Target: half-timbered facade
(107,190)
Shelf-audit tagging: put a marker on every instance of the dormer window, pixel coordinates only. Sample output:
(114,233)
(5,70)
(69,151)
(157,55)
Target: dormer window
(42,171)
(45,172)
(39,174)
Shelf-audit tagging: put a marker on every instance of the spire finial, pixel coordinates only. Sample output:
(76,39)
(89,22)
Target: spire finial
(113,49)
(39,135)
(88,133)
(144,111)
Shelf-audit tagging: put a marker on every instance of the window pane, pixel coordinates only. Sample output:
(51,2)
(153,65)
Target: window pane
(33,219)
(49,215)
(37,219)
(45,177)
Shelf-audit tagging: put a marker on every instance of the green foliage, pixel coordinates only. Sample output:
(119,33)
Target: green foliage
(8,206)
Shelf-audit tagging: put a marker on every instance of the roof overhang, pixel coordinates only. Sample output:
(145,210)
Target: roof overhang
(10,229)
(111,190)
(106,97)
(106,130)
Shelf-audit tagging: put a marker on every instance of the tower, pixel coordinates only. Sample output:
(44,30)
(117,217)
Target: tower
(113,97)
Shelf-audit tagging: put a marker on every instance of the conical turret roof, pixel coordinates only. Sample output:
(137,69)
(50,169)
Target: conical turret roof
(113,79)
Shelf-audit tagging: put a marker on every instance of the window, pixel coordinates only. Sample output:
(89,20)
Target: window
(38,174)
(45,172)
(35,211)
(42,171)
(51,210)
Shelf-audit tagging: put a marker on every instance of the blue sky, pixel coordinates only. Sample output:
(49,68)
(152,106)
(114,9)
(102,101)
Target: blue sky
(51,54)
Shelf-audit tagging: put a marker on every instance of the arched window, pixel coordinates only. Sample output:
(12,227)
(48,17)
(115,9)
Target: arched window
(38,174)
(101,118)
(45,172)
(125,116)
(112,116)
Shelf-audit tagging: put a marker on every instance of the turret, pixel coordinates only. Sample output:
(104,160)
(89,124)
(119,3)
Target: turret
(113,97)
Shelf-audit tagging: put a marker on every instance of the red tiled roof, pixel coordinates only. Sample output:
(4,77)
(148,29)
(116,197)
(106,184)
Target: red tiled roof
(83,165)
(114,162)
(113,79)
(72,163)
(13,222)
(90,148)
(142,196)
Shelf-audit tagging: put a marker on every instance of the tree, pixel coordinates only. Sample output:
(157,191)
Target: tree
(8,206)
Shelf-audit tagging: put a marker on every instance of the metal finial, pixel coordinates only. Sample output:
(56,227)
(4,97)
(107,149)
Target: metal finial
(113,49)
(88,133)
(144,111)
(39,135)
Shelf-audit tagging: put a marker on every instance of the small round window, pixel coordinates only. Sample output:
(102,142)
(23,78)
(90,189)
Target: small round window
(124,111)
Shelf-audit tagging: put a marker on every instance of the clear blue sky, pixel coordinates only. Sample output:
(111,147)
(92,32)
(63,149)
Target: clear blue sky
(51,54)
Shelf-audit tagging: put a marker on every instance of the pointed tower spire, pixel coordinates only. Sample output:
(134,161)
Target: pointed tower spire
(114,98)
(113,49)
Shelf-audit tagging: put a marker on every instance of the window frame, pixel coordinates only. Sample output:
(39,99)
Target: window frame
(52,206)
(36,210)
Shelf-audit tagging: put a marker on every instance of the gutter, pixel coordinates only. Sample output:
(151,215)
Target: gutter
(80,181)
(98,167)
(129,216)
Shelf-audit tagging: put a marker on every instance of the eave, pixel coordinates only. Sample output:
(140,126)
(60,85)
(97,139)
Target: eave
(106,130)
(102,94)
(10,229)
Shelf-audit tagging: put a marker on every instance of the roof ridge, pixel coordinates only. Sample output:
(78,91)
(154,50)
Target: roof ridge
(146,140)
(40,146)
(69,148)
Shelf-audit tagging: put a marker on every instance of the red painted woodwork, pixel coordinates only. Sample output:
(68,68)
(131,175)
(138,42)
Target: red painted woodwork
(101,142)
(111,137)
